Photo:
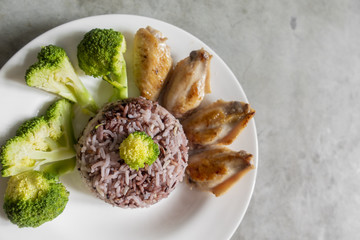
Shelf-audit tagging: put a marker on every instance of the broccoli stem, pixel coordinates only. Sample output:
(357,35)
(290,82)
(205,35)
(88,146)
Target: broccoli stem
(83,97)
(60,168)
(60,154)
(119,94)
(52,144)
(86,101)
(119,82)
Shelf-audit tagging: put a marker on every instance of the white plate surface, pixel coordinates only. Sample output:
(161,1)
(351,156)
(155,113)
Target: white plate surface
(185,214)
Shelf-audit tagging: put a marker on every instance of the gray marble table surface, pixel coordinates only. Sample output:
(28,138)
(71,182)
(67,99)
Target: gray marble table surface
(299,64)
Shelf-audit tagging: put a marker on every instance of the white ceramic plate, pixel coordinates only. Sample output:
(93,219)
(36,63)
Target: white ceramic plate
(185,214)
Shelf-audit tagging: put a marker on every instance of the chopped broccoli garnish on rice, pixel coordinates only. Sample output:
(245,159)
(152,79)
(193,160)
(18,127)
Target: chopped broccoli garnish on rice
(139,149)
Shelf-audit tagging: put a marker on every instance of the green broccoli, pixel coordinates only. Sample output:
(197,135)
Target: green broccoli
(33,198)
(54,73)
(59,168)
(41,140)
(100,54)
(139,149)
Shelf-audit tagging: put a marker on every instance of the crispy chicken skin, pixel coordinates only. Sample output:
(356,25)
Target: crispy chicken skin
(152,62)
(216,169)
(188,83)
(218,123)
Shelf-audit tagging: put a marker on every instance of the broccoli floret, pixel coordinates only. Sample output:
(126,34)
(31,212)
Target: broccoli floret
(41,140)
(100,54)
(54,73)
(139,149)
(33,198)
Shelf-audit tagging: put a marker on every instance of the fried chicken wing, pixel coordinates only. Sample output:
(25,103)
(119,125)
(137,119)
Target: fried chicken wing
(218,123)
(188,84)
(217,169)
(152,62)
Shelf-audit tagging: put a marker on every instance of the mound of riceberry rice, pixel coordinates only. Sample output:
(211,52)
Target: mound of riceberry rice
(106,173)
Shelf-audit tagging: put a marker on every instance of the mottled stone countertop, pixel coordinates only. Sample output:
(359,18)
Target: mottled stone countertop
(299,64)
